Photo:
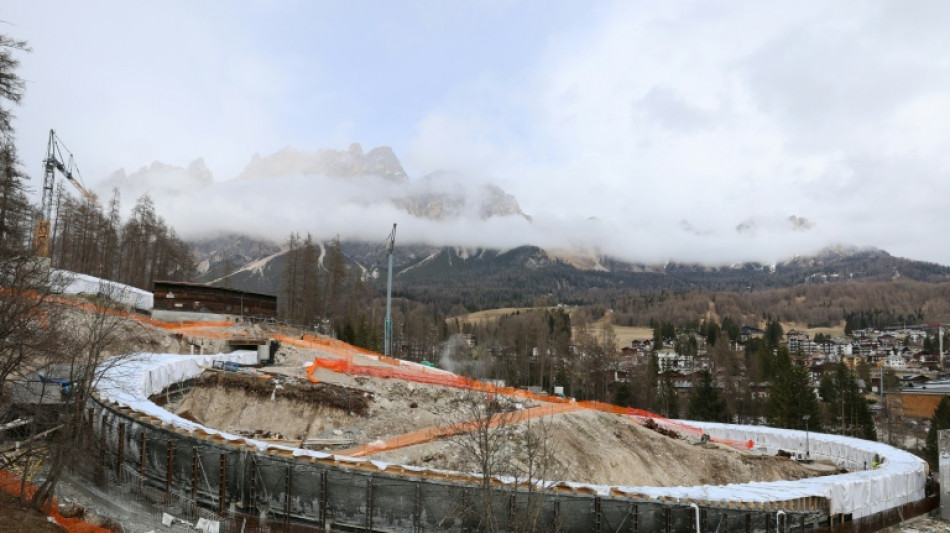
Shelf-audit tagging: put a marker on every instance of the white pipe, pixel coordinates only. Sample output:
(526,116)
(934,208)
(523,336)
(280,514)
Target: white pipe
(694,506)
(777,521)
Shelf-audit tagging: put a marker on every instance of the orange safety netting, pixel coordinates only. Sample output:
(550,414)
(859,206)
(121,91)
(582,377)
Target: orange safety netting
(334,347)
(429,434)
(396,370)
(10,484)
(181,327)
(446,379)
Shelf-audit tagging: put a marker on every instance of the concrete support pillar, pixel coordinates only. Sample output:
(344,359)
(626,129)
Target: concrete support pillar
(943,450)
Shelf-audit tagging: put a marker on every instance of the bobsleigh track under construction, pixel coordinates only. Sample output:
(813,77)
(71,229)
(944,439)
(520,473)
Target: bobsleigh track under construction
(238,482)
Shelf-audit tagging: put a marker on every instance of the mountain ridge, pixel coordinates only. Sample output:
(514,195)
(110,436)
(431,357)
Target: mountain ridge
(527,273)
(372,177)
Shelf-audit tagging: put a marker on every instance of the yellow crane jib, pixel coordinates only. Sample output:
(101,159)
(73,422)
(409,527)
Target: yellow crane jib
(52,163)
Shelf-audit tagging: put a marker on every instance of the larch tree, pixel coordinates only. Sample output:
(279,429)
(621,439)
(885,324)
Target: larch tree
(15,211)
(290,291)
(336,284)
(310,308)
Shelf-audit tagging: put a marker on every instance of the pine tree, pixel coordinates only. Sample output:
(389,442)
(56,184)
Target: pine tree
(848,412)
(773,333)
(623,395)
(667,398)
(792,397)
(705,400)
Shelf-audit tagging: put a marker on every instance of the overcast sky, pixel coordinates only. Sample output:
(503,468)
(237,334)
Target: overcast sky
(710,131)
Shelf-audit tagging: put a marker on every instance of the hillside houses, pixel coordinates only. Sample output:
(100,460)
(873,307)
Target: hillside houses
(900,352)
(622,376)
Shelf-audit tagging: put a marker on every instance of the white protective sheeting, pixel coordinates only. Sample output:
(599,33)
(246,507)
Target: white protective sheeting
(898,480)
(75,283)
(130,381)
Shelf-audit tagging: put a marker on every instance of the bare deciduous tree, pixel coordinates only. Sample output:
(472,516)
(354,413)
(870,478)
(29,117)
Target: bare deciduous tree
(499,447)
(92,341)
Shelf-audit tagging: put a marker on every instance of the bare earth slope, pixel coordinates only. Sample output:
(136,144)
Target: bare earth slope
(592,447)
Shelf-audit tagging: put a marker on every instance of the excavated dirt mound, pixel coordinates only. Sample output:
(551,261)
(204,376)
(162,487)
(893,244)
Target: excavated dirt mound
(606,449)
(394,408)
(590,446)
(238,411)
(346,399)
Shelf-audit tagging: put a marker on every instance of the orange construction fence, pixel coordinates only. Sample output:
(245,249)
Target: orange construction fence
(10,484)
(395,368)
(446,379)
(334,347)
(180,327)
(429,434)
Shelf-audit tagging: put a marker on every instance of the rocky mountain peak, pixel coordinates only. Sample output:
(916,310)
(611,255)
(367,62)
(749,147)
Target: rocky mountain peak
(349,163)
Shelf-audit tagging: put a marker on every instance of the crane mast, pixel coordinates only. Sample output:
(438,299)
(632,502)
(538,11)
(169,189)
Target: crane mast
(52,163)
(388,326)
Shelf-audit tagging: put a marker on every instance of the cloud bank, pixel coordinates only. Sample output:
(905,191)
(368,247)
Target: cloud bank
(682,131)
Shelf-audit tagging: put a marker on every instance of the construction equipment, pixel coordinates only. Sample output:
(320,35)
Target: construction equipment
(52,163)
(388,326)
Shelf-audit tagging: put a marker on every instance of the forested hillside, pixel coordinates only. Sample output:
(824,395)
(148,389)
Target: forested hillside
(889,303)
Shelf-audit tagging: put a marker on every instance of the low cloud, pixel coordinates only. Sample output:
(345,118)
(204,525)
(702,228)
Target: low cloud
(453,209)
(692,131)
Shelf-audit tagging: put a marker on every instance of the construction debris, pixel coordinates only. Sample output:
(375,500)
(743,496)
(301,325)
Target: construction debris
(348,399)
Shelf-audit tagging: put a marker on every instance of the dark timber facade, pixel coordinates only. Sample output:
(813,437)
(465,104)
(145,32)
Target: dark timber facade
(198,298)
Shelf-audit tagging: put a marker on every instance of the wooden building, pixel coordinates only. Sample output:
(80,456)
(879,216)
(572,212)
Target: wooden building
(176,296)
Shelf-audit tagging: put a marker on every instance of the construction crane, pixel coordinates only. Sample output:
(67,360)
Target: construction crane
(388,326)
(52,163)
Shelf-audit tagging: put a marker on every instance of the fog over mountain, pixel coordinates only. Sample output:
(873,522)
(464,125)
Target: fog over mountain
(357,194)
(683,131)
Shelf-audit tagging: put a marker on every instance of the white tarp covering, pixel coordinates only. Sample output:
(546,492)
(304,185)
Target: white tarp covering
(75,283)
(897,481)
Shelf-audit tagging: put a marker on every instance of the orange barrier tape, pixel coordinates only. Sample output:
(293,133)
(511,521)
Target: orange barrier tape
(86,306)
(10,484)
(323,341)
(334,347)
(429,434)
(445,379)
(420,375)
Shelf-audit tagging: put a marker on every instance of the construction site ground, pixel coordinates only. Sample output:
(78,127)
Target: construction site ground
(924,524)
(18,517)
(590,446)
(342,412)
